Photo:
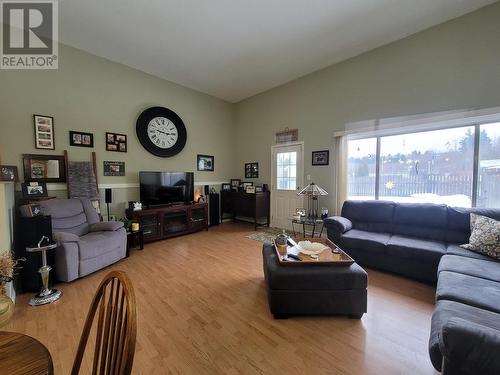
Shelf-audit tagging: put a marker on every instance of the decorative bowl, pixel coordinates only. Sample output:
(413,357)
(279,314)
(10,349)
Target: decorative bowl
(311,248)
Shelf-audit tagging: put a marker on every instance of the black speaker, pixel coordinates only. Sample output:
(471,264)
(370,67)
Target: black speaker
(108,197)
(28,232)
(207,190)
(213,206)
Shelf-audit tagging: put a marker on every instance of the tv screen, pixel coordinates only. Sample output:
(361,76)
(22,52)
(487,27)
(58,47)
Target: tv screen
(164,188)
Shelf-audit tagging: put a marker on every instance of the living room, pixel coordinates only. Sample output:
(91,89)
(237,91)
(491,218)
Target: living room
(370,127)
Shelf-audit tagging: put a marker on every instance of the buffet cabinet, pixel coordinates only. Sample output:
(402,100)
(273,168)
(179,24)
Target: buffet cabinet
(249,207)
(163,222)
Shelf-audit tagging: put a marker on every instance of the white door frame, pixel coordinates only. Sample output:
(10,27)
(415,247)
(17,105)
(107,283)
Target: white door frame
(273,182)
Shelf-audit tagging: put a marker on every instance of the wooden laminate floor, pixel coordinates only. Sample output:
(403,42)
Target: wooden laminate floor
(202,309)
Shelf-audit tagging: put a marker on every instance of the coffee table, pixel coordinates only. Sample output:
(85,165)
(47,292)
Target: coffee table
(310,222)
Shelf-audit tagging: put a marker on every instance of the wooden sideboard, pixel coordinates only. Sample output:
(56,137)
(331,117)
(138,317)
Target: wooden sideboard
(163,222)
(254,208)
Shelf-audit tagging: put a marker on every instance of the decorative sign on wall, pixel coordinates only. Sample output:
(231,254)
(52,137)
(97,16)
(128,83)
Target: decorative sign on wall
(251,170)
(116,142)
(114,168)
(287,135)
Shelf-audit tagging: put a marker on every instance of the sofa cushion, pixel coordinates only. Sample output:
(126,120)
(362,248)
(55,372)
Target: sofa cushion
(372,242)
(454,249)
(421,220)
(459,222)
(485,236)
(416,248)
(443,311)
(374,216)
(95,244)
(470,290)
(473,267)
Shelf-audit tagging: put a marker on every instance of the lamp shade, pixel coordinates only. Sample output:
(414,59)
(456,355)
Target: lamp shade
(313,190)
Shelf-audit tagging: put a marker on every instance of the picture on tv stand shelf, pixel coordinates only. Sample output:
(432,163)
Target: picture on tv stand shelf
(166,188)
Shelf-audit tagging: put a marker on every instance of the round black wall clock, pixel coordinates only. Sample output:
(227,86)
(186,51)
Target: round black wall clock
(161,131)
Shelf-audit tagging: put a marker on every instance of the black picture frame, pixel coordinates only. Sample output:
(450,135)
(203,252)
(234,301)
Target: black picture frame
(321,157)
(34,190)
(252,170)
(44,132)
(43,168)
(235,183)
(116,142)
(244,184)
(226,187)
(205,163)
(8,173)
(114,168)
(81,139)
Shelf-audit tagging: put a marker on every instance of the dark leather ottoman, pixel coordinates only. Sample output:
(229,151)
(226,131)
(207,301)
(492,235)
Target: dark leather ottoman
(314,290)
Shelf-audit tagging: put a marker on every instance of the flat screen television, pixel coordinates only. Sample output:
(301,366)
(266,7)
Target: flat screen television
(166,188)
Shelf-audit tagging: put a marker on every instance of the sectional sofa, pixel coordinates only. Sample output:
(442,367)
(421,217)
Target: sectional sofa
(422,241)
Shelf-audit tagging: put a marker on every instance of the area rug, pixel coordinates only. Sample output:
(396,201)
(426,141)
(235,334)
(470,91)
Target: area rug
(267,235)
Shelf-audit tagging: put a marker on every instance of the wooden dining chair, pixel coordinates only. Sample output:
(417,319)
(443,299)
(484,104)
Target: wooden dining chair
(116,327)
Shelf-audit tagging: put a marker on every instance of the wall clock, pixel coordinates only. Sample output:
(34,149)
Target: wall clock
(161,131)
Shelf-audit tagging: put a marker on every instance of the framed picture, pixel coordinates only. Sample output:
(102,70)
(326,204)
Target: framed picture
(114,168)
(81,139)
(259,189)
(251,170)
(44,132)
(320,157)
(245,184)
(250,189)
(30,210)
(205,163)
(44,168)
(235,183)
(34,189)
(8,173)
(116,142)
(226,187)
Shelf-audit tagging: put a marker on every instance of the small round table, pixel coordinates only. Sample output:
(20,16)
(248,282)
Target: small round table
(46,295)
(23,355)
(308,221)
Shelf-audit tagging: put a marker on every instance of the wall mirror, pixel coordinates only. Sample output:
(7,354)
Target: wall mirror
(44,168)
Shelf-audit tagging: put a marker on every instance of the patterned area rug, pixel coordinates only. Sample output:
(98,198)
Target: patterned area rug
(267,235)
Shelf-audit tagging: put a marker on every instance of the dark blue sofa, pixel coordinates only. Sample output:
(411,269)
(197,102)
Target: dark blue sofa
(422,241)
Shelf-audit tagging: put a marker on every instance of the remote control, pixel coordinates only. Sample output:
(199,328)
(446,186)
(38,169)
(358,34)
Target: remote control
(293,256)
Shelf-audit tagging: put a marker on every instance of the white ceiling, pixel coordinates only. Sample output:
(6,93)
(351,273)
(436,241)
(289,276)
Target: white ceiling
(233,49)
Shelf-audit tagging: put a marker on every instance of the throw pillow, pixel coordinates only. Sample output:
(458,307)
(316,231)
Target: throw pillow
(485,236)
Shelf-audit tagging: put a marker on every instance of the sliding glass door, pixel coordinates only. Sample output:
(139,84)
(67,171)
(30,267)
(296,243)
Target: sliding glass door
(455,166)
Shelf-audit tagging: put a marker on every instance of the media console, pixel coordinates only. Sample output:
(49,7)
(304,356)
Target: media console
(163,222)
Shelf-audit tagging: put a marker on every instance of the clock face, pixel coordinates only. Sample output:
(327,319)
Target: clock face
(161,131)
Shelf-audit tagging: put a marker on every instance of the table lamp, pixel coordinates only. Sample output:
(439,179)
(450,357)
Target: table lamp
(312,192)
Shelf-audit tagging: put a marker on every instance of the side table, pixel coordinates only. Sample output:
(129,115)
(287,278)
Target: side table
(46,295)
(134,237)
(315,223)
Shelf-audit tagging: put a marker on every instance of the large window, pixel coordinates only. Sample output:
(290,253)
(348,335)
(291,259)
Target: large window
(456,166)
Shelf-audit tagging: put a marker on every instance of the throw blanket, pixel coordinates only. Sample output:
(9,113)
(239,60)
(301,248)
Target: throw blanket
(82,181)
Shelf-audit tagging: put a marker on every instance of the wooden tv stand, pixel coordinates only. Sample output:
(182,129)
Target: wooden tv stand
(163,222)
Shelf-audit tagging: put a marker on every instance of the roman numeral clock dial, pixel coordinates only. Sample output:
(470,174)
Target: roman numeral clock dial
(161,131)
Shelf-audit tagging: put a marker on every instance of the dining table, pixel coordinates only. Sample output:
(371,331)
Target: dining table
(22,354)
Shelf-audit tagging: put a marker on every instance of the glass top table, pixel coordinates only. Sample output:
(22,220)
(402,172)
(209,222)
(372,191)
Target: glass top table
(315,222)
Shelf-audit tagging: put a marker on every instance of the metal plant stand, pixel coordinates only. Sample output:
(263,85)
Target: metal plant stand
(46,295)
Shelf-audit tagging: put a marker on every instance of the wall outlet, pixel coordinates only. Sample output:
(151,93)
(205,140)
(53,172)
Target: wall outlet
(308,177)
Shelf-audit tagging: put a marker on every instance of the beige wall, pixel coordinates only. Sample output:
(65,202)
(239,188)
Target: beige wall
(454,65)
(95,95)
